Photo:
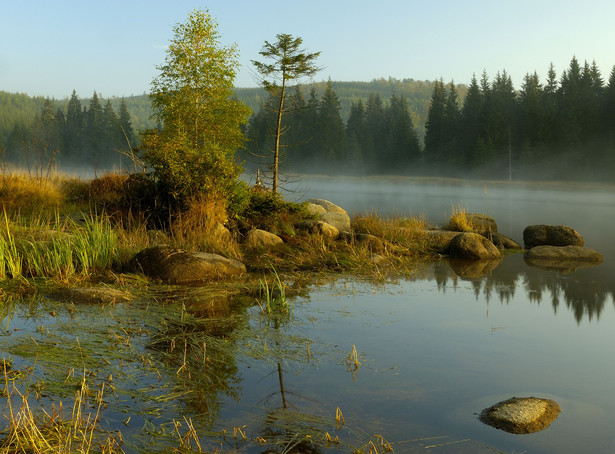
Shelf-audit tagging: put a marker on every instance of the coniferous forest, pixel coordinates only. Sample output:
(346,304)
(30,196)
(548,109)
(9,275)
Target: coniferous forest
(562,127)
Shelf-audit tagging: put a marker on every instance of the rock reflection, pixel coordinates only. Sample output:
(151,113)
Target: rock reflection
(584,292)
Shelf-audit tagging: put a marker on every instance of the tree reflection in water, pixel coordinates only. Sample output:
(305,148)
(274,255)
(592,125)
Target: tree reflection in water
(583,289)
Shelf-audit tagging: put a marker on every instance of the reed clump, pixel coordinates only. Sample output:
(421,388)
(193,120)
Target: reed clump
(43,432)
(460,221)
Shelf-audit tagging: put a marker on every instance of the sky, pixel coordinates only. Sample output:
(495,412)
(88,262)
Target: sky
(50,48)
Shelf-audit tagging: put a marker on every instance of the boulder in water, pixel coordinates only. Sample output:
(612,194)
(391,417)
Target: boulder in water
(521,415)
(551,235)
(176,266)
(473,246)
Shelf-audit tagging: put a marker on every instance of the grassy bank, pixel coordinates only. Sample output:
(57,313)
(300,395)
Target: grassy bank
(69,229)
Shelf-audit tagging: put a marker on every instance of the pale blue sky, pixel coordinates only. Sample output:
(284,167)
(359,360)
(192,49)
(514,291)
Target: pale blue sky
(112,46)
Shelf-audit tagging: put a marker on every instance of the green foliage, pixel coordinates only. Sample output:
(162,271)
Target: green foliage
(192,154)
(269,211)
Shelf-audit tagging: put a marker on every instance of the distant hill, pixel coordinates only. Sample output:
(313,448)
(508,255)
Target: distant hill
(17,108)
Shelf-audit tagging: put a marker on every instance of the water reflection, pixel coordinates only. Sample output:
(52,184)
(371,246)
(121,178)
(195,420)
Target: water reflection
(582,289)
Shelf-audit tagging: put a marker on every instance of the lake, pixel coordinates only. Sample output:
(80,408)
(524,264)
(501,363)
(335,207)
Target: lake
(410,362)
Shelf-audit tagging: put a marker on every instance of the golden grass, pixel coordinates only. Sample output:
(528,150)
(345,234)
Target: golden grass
(459,221)
(45,433)
(201,228)
(18,190)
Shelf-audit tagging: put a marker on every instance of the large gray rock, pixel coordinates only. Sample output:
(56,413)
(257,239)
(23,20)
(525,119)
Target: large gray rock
(333,215)
(262,238)
(329,207)
(338,220)
(315,210)
(473,246)
(551,235)
(176,266)
(521,415)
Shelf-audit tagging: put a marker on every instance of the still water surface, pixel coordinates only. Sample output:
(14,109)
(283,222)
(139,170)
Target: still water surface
(434,348)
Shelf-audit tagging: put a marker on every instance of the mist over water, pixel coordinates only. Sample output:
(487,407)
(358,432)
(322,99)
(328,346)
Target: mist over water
(588,209)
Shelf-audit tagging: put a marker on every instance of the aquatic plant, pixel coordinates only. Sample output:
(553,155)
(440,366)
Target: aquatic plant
(30,431)
(272,300)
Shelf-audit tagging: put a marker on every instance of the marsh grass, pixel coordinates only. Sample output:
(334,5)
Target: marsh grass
(460,221)
(272,299)
(42,432)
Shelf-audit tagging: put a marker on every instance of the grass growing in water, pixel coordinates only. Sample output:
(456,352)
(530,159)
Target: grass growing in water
(273,299)
(41,433)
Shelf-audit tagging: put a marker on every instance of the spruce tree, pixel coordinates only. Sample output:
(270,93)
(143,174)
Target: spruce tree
(331,128)
(435,128)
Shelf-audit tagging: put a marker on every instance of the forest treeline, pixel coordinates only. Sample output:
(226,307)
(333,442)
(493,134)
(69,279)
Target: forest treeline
(21,114)
(378,136)
(562,128)
(41,133)
(559,128)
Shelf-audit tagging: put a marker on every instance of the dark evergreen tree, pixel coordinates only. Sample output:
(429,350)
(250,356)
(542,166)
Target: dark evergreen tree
(95,132)
(126,124)
(402,148)
(355,136)
(331,129)
(452,120)
(471,117)
(435,129)
(374,137)
(74,139)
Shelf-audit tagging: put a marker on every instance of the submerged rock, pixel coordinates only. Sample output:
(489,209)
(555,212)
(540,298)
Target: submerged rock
(580,253)
(176,266)
(473,246)
(565,259)
(551,235)
(521,415)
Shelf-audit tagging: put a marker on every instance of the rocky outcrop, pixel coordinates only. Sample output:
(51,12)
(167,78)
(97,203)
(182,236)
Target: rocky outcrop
(551,235)
(176,266)
(333,215)
(521,415)
(262,238)
(473,246)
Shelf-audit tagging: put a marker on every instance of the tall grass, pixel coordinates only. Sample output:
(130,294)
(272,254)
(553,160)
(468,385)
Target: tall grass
(33,432)
(70,250)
